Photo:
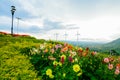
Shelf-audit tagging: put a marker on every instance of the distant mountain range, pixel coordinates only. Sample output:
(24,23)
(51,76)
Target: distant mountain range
(111,47)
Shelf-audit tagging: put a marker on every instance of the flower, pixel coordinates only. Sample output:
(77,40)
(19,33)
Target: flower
(65,44)
(76,68)
(118,66)
(48,72)
(52,51)
(51,76)
(64,49)
(84,54)
(58,46)
(110,66)
(80,50)
(72,53)
(117,71)
(106,60)
(62,60)
(70,47)
(70,59)
(46,50)
(55,63)
(94,53)
(64,56)
(87,49)
(111,59)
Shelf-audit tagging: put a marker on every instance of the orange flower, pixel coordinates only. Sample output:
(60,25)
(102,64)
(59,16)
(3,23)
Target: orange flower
(84,54)
(70,47)
(46,50)
(118,66)
(64,49)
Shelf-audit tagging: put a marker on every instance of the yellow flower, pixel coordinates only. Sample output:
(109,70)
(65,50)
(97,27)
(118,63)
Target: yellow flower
(51,76)
(64,74)
(76,68)
(63,56)
(48,72)
(55,63)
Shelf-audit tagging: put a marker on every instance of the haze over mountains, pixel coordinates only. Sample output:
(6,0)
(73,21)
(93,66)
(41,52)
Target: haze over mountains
(113,46)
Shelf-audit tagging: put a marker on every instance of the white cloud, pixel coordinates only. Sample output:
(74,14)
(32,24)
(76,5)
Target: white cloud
(4,20)
(95,21)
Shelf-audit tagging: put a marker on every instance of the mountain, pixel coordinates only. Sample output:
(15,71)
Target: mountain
(111,47)
(114,46)
(84,43)
(114,43)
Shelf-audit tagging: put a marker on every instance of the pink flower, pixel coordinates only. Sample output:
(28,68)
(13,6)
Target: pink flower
(58,46)
(106,60)
(117,71)
(110,66)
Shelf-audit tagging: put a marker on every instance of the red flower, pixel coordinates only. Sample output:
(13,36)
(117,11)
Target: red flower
(62,60)
(70,58)
(80,50)
(87,49)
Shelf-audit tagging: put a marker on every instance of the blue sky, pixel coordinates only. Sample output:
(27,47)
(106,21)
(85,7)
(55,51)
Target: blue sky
(94,20)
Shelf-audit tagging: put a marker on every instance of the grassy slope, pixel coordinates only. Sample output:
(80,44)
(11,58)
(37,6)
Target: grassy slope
(13,64)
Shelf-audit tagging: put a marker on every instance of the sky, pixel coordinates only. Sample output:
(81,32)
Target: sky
(93,20)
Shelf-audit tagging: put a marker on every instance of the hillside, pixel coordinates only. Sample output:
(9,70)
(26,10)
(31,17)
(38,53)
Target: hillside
(27,58)
(113,47)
